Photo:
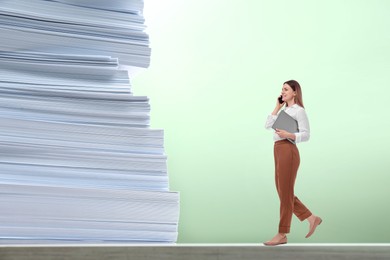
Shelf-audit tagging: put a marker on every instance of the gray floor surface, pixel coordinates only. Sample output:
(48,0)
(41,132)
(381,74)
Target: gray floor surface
(196,251)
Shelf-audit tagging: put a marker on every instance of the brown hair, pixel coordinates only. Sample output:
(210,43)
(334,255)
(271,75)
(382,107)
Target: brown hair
(297,88)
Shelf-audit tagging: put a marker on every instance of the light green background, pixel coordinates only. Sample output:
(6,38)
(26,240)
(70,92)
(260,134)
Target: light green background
(217,67)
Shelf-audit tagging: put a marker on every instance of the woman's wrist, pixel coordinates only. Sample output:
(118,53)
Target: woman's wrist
(292,136)
(275,112)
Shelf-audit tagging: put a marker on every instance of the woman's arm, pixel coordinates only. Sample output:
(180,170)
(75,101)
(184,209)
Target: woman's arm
(271,118)
(285,134)
(303,126)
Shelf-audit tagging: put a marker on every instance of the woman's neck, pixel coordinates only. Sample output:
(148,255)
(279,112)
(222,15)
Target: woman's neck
(290,103)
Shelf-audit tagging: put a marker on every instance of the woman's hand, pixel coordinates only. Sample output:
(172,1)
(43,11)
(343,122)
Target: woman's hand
(284,134)
(278,107)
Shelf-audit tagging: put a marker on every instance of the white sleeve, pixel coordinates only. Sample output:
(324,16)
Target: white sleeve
(303,126)
(270,121)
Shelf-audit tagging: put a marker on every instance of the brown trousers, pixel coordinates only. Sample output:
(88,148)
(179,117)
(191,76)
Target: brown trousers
(286,167)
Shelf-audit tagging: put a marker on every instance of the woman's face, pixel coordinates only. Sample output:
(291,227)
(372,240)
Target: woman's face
(288,93)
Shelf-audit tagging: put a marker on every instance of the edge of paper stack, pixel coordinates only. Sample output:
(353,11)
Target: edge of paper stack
(78,161)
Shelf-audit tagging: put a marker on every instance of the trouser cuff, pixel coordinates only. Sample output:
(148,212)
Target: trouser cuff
(284,230)
(305,215)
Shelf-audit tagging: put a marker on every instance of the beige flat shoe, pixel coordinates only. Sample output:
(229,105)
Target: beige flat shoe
(282,241)
(317,222)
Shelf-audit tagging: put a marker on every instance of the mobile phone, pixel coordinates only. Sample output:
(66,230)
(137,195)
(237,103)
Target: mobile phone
(280,99)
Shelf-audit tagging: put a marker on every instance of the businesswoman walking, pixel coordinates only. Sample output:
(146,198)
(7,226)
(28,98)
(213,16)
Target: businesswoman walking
(287,161)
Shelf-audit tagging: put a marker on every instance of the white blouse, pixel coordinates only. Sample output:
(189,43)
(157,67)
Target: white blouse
(298,113)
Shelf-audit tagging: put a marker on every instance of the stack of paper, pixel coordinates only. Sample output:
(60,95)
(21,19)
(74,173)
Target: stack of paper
(111,28)
(36,214)
(78,161)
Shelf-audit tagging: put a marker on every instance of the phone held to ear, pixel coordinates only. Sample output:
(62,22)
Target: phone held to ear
(280,99)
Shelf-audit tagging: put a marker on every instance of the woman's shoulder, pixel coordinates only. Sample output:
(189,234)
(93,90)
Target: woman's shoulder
(300,111)
(298,107)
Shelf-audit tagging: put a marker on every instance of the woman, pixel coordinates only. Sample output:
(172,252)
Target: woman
(287,161)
